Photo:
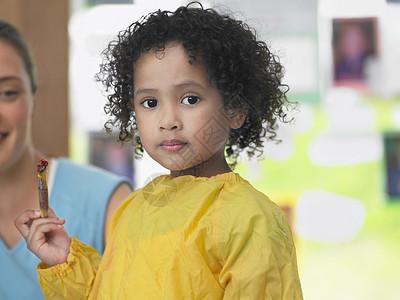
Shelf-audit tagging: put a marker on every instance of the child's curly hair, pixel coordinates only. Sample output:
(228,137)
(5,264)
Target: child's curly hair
(245,72)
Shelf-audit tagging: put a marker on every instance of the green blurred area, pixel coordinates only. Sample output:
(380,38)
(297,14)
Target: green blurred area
(366,267)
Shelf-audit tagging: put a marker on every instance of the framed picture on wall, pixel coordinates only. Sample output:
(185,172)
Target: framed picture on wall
(354,43)
(105,152)
(391,144)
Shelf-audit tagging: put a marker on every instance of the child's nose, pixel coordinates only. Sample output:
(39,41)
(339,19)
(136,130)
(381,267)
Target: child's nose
(170,120)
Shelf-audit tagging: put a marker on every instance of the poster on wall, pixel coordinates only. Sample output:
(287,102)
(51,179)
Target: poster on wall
(392,165)
(105,152)
(354,44)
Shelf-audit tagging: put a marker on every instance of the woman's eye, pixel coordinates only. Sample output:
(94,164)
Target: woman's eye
(8,94)
(190,100)
(150,103)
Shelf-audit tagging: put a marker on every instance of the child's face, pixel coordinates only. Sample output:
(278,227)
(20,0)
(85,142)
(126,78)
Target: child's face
(181,118)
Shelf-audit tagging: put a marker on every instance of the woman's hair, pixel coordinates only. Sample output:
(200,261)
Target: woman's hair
(10,35)
(245,72)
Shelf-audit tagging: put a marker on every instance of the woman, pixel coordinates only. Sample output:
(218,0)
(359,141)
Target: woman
(87,194)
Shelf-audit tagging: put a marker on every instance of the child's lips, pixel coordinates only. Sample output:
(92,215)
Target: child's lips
(172,145)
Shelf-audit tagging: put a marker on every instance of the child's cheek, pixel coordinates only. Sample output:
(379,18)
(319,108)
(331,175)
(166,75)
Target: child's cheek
(145,134)
(212,134)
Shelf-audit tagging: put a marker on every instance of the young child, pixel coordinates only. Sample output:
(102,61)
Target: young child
(189,87)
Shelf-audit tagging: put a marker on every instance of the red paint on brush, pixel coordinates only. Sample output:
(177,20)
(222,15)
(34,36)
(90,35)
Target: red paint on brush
(42,165)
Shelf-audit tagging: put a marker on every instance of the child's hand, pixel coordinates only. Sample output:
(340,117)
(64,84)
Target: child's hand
(45,237)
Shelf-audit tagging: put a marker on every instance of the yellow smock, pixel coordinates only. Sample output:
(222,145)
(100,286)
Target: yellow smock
(185,238)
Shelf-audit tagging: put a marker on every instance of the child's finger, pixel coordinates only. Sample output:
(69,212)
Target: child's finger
(41,223)
(51,213)
(24,221)
(42,226)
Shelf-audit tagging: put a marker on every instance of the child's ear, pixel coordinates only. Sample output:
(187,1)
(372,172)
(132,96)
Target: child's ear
(237,118)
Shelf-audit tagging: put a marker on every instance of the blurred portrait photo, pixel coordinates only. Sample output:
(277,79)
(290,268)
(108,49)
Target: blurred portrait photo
(354,41)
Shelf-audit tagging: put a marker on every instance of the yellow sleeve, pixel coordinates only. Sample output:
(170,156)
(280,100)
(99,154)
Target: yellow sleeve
(73,279)
(258,256)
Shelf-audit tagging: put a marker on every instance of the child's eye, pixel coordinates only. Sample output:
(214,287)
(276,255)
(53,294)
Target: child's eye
(190,100)
(149,103)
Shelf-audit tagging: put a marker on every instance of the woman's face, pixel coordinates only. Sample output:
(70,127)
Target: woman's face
(16,106)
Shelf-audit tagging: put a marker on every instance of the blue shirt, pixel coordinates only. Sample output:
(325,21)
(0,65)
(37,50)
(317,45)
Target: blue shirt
(79,194)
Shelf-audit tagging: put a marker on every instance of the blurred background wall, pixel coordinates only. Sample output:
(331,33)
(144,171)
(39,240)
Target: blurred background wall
(336,171)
